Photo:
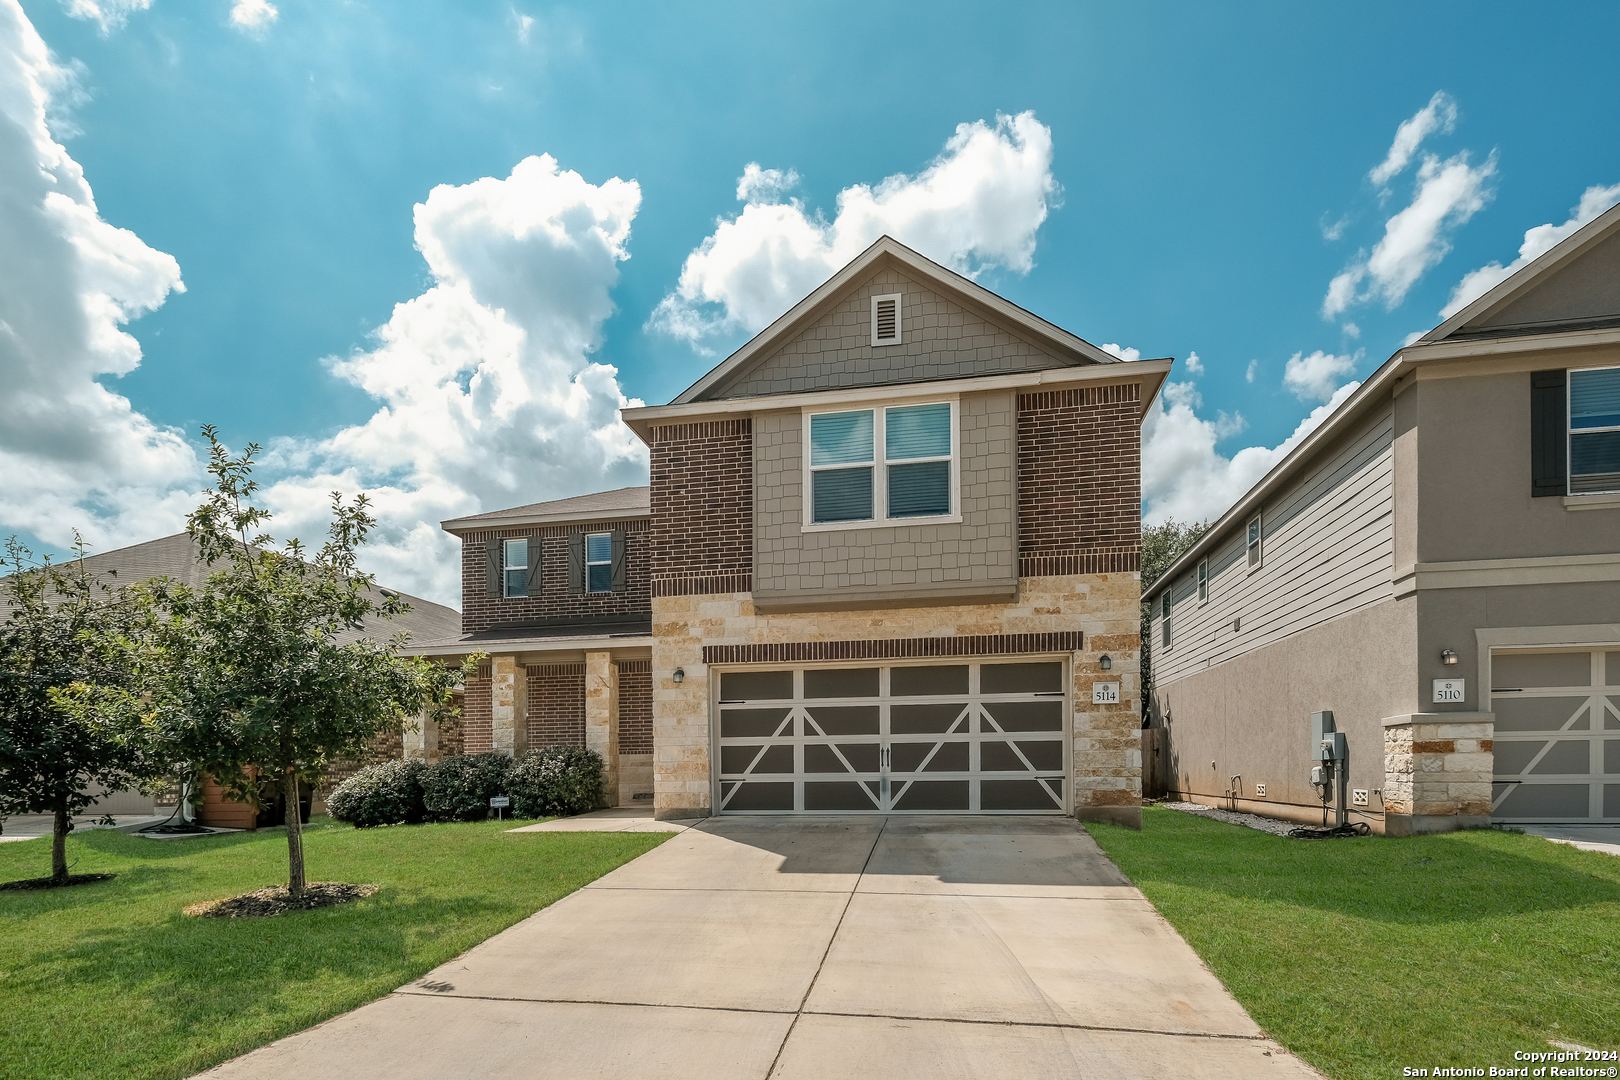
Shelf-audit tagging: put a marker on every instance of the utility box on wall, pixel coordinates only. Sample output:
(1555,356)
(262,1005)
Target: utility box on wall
(1321,729)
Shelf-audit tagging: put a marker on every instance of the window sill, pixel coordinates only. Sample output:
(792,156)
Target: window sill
(887,523)
(1607,501)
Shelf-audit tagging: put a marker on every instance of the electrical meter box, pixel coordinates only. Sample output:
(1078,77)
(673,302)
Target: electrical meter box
(1321,729)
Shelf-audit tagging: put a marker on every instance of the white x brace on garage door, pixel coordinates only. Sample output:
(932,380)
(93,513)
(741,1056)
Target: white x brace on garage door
(941,738)
(1557,734)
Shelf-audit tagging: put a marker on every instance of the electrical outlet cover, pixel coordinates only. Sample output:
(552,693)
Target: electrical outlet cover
(1358,797)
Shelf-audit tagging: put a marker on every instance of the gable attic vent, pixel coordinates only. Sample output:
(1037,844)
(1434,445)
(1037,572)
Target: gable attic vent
(886,319)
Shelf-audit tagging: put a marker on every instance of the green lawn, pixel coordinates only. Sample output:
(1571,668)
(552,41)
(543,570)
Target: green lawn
(109,979)
(1366,955)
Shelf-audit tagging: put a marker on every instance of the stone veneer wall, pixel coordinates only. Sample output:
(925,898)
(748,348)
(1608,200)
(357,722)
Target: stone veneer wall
(1102,607)
(1438,769)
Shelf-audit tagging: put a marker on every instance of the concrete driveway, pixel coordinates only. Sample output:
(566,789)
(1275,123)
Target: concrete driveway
(817,948)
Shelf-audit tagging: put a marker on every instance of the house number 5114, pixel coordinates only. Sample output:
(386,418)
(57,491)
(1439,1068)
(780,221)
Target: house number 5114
(1105,693)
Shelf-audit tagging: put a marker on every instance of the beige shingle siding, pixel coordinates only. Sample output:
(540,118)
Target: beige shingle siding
(1327,550)
(941,340)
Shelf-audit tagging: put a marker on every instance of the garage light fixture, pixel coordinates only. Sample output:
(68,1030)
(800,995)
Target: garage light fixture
(1105,662)
(680,676)
(1448,656)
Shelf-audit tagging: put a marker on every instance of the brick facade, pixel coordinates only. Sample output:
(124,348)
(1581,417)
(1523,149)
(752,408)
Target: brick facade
(702,538)
(480,611)
(477,736)
(635,707)
(1079,481)
(556,705)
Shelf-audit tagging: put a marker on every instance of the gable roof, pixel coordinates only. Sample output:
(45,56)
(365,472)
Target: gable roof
(176,557)
(1065,347)
(1484,316)
(625,502)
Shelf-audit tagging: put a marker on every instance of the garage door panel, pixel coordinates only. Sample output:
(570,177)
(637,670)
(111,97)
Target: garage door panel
(1611,714)
(1611,800)
(1541,669)
(754,723)
(1564,801)
(1565,757)
(756,686)
(1611,756)
(928,681)
(1541,713)
(880,739)
(844,720)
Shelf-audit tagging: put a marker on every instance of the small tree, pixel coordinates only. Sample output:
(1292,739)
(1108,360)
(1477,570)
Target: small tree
(1162,545)
(62,625)
(244,676)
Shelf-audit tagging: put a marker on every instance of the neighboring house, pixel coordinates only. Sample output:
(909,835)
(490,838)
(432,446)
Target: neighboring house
(888,562)
(1438,564)
(175,557)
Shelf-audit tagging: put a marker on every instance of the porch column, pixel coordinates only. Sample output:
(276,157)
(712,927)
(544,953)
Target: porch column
(602,718)
(509,706)
(422,741)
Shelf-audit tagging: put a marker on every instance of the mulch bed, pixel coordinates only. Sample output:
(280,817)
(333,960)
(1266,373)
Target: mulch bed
(276,900)
(53,883)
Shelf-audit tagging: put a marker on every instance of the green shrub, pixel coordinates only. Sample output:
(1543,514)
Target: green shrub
(389,793)
(459,788)
(561,780)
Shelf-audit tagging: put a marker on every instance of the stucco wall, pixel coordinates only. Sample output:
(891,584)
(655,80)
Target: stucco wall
(981,548)
(1107,739)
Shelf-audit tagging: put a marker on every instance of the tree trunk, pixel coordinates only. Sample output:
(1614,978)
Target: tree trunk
(295,835)
(59,867)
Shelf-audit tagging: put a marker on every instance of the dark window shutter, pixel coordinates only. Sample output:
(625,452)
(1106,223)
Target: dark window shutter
(1549,434)
(531,580)
(576,563)
(492,553)
(618,560)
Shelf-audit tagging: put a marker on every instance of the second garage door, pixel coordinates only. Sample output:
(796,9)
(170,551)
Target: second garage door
(1557,734)
(944,738)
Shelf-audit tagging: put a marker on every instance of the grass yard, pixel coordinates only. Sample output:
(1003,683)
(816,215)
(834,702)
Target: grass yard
(109,979)
(1370,954)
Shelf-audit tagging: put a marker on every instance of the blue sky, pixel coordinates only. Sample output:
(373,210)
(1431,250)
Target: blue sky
(1177,179)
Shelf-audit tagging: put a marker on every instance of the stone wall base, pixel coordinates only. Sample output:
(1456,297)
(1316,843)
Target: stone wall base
(680,813)
(1424,824)
(1439,765)
(635,779)
(1128,816)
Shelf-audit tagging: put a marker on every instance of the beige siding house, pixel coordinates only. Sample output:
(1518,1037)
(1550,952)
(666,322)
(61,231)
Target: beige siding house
(1438,565)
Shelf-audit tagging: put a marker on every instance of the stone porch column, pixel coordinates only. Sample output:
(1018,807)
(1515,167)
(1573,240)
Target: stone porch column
(1437,771)
(509,706)
(422,742)
(602,718)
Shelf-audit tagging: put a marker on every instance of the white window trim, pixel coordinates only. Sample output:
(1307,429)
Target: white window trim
(899,321)
(880,473)
(507,568)
(1259,543)
(589,562)
(1167,609)
(1201,578)
(1569,436)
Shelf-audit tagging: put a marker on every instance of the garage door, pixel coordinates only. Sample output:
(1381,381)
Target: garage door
(955,738)
(1557,735)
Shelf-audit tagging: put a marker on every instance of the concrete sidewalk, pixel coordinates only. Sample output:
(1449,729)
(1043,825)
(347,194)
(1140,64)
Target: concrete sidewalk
(814,948)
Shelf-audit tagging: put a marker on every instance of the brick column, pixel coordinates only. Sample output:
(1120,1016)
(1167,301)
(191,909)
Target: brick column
(509,706)
(422,741)
(602,719)
(1437,771)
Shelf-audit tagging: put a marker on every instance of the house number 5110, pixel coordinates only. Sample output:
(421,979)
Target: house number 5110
(1448,690)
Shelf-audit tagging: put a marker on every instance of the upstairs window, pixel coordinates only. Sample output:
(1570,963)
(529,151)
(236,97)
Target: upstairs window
(1164,618)
(1203,581)
(886,319)
(1253,544)
(599,562)
(515,567)
(1594,431)
(913,477)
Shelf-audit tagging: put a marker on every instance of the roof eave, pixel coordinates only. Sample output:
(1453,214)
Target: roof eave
(457,526)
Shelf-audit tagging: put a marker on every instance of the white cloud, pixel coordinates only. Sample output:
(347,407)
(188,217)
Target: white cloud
(109,15)
(977,205)
(1253,370)
(72,452)
(1315,377)
(1448,193)
(1195,366)
(1123,352)
(1184,477)
(1537,242)
(1440,114)
(253,16)
(1351,330)
(488,395)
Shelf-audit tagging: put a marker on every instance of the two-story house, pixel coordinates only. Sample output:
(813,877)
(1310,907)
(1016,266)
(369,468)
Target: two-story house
(1438,565)
(888,562)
